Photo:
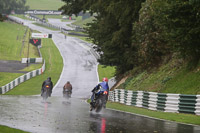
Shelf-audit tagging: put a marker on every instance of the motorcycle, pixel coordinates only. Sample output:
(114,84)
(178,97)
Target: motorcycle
(67,94)
(46,92)
(99,100)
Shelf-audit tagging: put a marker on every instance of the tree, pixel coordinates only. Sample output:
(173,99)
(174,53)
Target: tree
(182,27)
(148,37)
(112,29)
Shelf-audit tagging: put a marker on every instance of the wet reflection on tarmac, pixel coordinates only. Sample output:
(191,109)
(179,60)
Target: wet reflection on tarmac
(58,115)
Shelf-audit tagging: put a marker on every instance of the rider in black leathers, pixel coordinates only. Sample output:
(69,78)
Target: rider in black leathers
(47,82)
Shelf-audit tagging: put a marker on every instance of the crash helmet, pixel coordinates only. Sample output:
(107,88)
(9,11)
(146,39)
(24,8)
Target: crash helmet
(105,79)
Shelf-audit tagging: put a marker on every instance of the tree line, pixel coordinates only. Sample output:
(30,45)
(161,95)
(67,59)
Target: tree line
(136,33)
(6,6)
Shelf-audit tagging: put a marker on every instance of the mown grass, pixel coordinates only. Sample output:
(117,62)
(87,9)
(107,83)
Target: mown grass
(11,48)
(54,65)
(5,129)
(106,71)
(44,4)
(6,77)
(82,23)
(177,117)
(29,50)
(86,39)
(11,42)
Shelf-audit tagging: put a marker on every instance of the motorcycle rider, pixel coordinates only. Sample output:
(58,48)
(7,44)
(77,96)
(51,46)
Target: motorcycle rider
(47,82)
(104,85)
(67,87)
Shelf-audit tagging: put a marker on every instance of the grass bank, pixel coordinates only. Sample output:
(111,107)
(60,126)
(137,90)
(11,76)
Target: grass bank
(173,77)
(177,117)
(12,48)
(5,129)
(7,77)
(54,65)
(82,23)
(106,71)
(11,42)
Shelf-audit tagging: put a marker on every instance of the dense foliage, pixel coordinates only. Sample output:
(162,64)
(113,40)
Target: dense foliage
(6,6)
(139,33)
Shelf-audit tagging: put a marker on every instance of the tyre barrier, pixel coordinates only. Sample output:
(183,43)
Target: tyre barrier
(21,79)
(167,102)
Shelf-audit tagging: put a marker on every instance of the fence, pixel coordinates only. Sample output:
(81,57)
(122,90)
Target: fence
(177,103)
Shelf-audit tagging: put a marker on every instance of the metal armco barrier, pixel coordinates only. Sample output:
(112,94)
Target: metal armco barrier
(177,103)
(23,78)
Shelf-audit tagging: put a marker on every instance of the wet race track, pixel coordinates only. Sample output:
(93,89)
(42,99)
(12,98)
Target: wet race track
(58,115)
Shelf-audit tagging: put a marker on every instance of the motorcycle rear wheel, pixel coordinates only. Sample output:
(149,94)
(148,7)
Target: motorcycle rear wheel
(99,105)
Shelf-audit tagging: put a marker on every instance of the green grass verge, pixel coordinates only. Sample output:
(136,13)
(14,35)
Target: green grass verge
(54,65)
(44,4)
(11,48)
(82,23)
(177,117)
(7,77)
(86,39)
(5,129)
(11,41)
(106,71)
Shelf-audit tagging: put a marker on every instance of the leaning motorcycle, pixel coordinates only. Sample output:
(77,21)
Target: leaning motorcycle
(46,92)
(99,100)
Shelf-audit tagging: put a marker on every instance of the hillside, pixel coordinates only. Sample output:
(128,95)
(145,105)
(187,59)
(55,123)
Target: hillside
(171,77)
(11,46)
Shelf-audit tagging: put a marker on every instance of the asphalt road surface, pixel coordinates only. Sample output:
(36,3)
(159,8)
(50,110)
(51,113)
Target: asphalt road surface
(12,66)
(57,115)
